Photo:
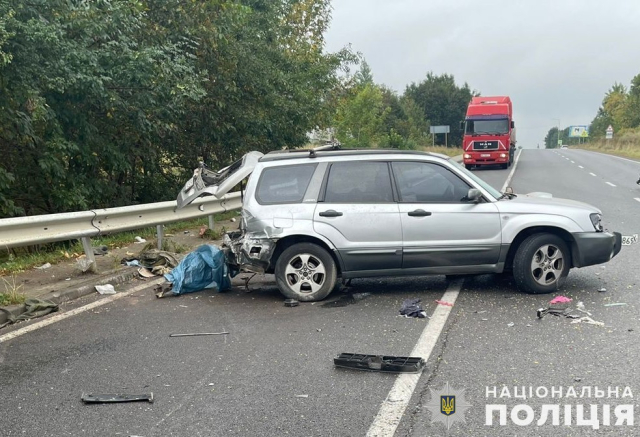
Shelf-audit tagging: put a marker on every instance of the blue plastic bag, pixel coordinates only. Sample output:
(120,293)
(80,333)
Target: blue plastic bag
(203,268)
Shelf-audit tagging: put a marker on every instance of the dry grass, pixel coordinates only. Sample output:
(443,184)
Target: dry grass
(449,151)
(11,294)
(627,145)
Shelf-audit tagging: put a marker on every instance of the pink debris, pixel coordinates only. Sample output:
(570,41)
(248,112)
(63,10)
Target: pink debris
(441,302)
(560,299)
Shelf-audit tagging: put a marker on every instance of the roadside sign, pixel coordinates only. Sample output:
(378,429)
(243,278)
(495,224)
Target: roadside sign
(439,129)
(609,132)
(578,131)
(559,142)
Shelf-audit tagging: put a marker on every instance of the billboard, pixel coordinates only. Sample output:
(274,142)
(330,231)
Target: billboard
(578,131)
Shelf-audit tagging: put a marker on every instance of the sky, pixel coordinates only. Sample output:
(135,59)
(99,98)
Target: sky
(555,59)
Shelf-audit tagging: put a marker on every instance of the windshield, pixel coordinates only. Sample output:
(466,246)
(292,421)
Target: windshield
(498,127)
(495,193)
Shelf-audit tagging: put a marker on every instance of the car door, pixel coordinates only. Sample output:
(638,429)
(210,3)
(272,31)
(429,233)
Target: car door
(439,228)
(357,212)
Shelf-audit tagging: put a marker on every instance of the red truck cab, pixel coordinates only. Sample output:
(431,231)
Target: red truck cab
(489,132)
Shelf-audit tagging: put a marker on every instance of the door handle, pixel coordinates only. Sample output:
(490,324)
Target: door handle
(330,213)
(419,213)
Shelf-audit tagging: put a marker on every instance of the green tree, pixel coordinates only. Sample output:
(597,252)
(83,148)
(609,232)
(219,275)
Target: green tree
(359,119)
(442,102)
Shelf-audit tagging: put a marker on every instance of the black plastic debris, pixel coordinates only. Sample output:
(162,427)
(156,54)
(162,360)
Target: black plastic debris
(291,303)
(114,398)
(410,308)
(379,363)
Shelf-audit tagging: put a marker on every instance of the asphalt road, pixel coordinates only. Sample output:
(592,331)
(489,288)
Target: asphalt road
(273,373)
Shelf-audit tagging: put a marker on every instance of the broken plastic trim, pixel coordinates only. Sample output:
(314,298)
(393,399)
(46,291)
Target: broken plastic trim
(379,363)
(114,398)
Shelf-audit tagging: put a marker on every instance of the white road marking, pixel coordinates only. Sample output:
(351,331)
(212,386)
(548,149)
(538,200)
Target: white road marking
(395,404)
(637,198)
(609,183)
(592,174)
(580,166)
(573,162)
(613,156)
(75,311)
(513,170)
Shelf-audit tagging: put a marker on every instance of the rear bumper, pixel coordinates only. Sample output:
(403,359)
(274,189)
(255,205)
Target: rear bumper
(592,248)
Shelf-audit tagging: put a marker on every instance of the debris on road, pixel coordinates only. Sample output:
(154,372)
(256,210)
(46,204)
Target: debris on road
(588,320)
(291,303)
(381,363)
(511,325)
(560,299)
(602,290)
(140,240)
(100,250)
(145,273)
(302,396)
(441,302)
(105,289)
(617,304)
(83,264)
(203,230)
(34,308)
(410,308)
(580,307)
(163,290)
(113,398)
(204,268)
(197,334)
(44,266)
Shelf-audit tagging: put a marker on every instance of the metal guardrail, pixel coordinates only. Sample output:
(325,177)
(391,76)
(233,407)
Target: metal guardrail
(25,231)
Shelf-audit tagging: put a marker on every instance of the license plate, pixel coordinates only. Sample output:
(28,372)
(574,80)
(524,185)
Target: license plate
(628,240)
(485,155)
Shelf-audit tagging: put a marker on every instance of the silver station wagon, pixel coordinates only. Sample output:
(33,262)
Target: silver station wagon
(312,216)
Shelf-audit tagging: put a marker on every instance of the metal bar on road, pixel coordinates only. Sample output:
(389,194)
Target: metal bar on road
(88,251)
(160,235)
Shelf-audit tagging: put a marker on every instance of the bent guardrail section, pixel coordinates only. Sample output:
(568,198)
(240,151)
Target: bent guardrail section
(49,228)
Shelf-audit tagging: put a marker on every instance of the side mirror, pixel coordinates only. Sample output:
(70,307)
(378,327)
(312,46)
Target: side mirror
(509,190)
(513,124)
(474,195)
(462,125)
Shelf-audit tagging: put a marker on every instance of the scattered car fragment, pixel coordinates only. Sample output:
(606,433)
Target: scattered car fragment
(197,334)
(381,363)
(410,308)
(115,398)
(308,220)
(105,289)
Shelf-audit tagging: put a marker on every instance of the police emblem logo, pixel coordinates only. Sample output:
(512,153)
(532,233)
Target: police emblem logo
(447,405)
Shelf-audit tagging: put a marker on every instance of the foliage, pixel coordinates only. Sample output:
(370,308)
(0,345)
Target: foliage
(112,103)
(442,101)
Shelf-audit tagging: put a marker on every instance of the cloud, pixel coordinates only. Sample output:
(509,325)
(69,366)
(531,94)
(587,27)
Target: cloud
(556,59)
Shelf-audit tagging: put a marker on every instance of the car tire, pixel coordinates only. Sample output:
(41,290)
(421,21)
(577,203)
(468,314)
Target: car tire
(305,272)
(504,166)
(541,264)
(468,166)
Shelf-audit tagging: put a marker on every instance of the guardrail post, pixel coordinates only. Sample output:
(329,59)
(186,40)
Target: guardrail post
(88,251)
(211,222)
(160,234)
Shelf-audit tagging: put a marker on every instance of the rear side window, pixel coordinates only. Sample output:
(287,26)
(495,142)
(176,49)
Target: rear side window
(359,182)
(285,184)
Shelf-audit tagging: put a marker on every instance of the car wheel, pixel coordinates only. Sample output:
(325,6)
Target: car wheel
(541,264)
(305,272)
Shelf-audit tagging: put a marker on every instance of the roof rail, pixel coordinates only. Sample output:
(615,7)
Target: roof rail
(332,146)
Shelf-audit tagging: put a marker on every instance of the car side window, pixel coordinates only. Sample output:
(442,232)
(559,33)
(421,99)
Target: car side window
(428,182)
(284,184)
(359,182)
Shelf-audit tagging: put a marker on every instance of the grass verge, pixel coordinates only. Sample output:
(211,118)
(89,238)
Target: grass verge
(11,294)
